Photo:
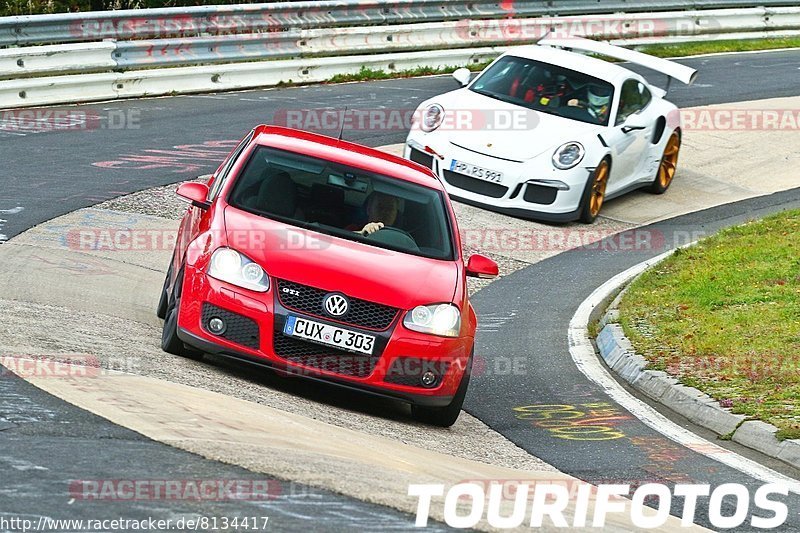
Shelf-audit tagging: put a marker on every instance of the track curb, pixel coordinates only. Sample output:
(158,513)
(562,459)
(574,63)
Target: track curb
(617,351)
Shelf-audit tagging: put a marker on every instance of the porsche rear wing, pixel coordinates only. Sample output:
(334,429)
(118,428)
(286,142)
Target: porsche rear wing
(674,70)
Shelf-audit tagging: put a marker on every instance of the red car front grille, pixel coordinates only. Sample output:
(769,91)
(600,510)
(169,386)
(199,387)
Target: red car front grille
(309,300)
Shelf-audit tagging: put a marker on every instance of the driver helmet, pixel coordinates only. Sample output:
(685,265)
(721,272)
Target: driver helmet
(599,97)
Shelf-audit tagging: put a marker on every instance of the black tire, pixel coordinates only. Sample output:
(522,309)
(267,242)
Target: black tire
(445,416)
(163,301)
(589,203)
(170,342)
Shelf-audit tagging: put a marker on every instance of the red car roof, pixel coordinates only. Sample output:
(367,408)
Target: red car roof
(346,153)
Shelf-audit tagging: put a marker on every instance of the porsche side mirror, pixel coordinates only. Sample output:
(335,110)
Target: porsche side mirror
(196,193)
(634,123)
(480,266)
(462,76)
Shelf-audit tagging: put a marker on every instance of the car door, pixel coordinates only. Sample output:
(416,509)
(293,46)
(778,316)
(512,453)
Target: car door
(630,135)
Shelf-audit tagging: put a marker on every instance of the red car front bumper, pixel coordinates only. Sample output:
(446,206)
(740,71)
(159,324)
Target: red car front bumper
(255,334)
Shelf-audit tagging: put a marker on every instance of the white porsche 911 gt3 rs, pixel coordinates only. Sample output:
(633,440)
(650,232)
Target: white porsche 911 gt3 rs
(550,134)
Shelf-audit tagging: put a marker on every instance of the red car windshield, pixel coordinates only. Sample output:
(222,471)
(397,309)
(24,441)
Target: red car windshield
(346,202)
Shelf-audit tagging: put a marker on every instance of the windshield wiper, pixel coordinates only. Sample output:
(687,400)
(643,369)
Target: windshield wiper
(491,95)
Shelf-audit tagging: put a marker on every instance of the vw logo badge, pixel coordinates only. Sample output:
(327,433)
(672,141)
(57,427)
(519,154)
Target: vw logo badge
(335,304)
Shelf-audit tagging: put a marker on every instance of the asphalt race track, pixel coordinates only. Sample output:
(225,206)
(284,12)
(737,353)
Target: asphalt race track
(164,140)
(529,312)
(55,172)
(49,444)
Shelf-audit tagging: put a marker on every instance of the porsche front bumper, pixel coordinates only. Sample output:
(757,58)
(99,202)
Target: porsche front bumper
(530,189)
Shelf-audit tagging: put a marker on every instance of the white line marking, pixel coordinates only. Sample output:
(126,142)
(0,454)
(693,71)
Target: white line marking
(207,96)
(393,88)
(585,358)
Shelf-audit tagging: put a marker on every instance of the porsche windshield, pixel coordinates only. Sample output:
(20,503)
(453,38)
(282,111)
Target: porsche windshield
(346,202)
(547,88)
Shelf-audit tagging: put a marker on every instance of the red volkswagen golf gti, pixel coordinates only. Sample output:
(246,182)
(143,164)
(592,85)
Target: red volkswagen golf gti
(330,260)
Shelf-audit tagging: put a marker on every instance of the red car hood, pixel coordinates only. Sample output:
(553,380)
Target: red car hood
(334,264)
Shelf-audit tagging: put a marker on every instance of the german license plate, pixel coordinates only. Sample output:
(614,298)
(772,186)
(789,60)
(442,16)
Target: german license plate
(329,335)
(474,171)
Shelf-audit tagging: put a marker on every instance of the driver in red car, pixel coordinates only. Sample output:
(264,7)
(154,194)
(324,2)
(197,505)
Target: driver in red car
(382,211)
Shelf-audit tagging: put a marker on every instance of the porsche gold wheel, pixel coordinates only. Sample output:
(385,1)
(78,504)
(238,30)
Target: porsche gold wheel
(669,164)
(596,192)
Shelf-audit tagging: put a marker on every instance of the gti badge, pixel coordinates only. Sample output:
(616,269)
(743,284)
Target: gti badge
(335,304)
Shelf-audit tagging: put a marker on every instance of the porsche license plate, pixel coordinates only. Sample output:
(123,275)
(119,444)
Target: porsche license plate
(329,335)
(474,171)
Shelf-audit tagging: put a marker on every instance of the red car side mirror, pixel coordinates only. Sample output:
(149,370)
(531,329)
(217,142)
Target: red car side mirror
(196,193)
(480,266)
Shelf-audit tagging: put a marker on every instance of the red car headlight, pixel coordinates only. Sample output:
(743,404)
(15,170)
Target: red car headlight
(237,269)
(437,319)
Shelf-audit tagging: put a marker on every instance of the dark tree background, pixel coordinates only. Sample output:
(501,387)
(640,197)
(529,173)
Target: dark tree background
(36,7)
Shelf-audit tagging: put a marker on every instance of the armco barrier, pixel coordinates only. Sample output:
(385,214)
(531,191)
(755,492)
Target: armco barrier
(658,27)
(280,16)
(56,59)
(108,86)
(297,41)
(124,55)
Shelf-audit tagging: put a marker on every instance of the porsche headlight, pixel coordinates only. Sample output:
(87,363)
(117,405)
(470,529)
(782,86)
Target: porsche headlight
(237,269)
(437,319)
(432,117)
(568,155)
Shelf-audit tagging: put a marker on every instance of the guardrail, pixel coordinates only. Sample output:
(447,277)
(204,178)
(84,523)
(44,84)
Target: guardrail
(108,86)
(265,44)
(281,16)
(445,35)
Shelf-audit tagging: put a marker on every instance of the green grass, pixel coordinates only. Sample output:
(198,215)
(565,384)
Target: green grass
(713,47)
(658,50)
(368,74)
(594,329)
(724,316)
